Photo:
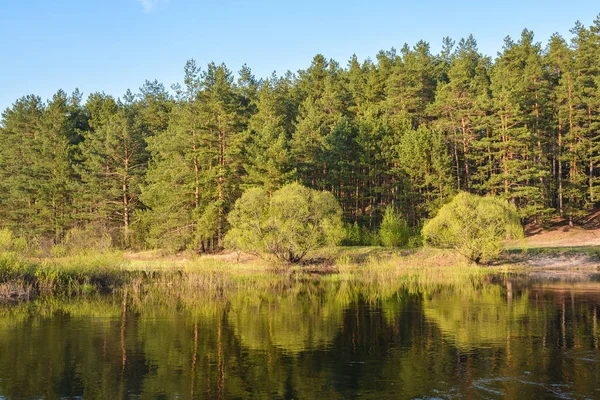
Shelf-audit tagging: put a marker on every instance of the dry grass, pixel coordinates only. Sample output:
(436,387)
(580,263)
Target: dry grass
(186,277)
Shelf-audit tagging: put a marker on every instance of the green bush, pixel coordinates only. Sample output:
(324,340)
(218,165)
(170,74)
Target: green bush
(6,239)
(353,235)
(287,225)
(415,241)
(358,236)
(474,226)
(19,245)
(394,230)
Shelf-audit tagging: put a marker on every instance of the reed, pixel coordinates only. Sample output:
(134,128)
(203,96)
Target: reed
(376,271)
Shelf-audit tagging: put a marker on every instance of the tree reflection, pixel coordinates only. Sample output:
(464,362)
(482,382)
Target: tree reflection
(314,339)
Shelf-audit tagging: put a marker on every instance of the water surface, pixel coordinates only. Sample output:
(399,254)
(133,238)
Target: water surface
(508,337)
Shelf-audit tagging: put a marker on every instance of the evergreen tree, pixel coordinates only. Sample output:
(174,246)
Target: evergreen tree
(518,85)
(460,105)
(177,181)
(114,162)
(423,158)
(406,129)
(197,162)
(36,164)
(268,154)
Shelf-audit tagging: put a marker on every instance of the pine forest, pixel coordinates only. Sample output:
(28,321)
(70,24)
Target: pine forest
(162,168)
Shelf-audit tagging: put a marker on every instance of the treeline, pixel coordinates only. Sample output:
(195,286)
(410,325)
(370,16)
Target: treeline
(408,129)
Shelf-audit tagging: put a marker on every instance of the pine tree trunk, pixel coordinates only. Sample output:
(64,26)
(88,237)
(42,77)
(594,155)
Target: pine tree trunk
(560,179)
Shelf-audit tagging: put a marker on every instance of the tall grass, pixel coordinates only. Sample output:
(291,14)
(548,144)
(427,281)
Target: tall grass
(378,273)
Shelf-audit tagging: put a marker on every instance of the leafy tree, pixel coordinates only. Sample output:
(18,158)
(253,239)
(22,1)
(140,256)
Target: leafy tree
(474,226)
(287,225)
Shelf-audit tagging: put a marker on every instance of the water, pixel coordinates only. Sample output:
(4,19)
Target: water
(506,338)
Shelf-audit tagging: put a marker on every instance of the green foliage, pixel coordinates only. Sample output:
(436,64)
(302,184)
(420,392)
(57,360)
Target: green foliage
(353,235)
(423,157)
(410,128)
(6,240)
(115,160)
(356,235)
(36,164)
(88,239)
(287,225)
(415,241)
(394,230)
(17,245)
(474,226)
(197,162)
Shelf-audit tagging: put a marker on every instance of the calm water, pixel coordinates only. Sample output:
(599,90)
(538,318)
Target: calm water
(508,338)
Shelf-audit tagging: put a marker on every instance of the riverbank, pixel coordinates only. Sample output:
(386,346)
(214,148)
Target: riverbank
(22,279)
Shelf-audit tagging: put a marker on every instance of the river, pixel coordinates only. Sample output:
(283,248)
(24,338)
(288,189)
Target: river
(510,337)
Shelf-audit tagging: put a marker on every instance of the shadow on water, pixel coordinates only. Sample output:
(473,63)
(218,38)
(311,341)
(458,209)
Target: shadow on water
(314,337)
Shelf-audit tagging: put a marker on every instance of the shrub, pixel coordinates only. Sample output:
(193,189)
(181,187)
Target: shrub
(415,242)
(19,245)
(90,238)
(58,251)
(394,230)
(358,236)
(6,240)
(474,226)
(287,225)
(353,235)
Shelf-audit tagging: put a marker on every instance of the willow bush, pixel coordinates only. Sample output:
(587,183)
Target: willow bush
(287,225)
(474,226)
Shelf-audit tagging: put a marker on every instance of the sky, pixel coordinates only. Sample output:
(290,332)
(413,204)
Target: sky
(113,45)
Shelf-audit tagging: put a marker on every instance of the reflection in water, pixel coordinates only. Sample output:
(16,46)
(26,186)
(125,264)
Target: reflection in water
(318,338)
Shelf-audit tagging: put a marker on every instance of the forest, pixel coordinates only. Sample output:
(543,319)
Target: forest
(410,129)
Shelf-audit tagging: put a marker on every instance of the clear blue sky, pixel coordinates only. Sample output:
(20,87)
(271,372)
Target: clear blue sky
(112,45)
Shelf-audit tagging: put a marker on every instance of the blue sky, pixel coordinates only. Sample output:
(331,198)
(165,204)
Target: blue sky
(112,45)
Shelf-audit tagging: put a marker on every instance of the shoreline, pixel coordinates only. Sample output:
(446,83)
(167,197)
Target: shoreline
(22,279)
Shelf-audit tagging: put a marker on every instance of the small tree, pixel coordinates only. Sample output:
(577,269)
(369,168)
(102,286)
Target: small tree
(474,226)
(287,225)
(394,231)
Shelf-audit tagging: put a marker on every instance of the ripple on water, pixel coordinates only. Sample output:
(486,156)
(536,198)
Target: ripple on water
(490,386)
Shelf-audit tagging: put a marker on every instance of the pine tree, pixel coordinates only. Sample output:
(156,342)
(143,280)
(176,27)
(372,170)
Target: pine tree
(423,157)
(176,181)
(459,104)
(114,162)
(268,154)
(411,86)
(197,162)
(36,149)
(560,60)
(226,122)
(516,83)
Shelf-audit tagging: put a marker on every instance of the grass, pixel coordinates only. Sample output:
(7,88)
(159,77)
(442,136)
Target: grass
(376,270)
(592,251)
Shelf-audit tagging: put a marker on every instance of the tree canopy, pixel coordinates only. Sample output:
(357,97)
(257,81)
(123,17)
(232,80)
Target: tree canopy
(407,129)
